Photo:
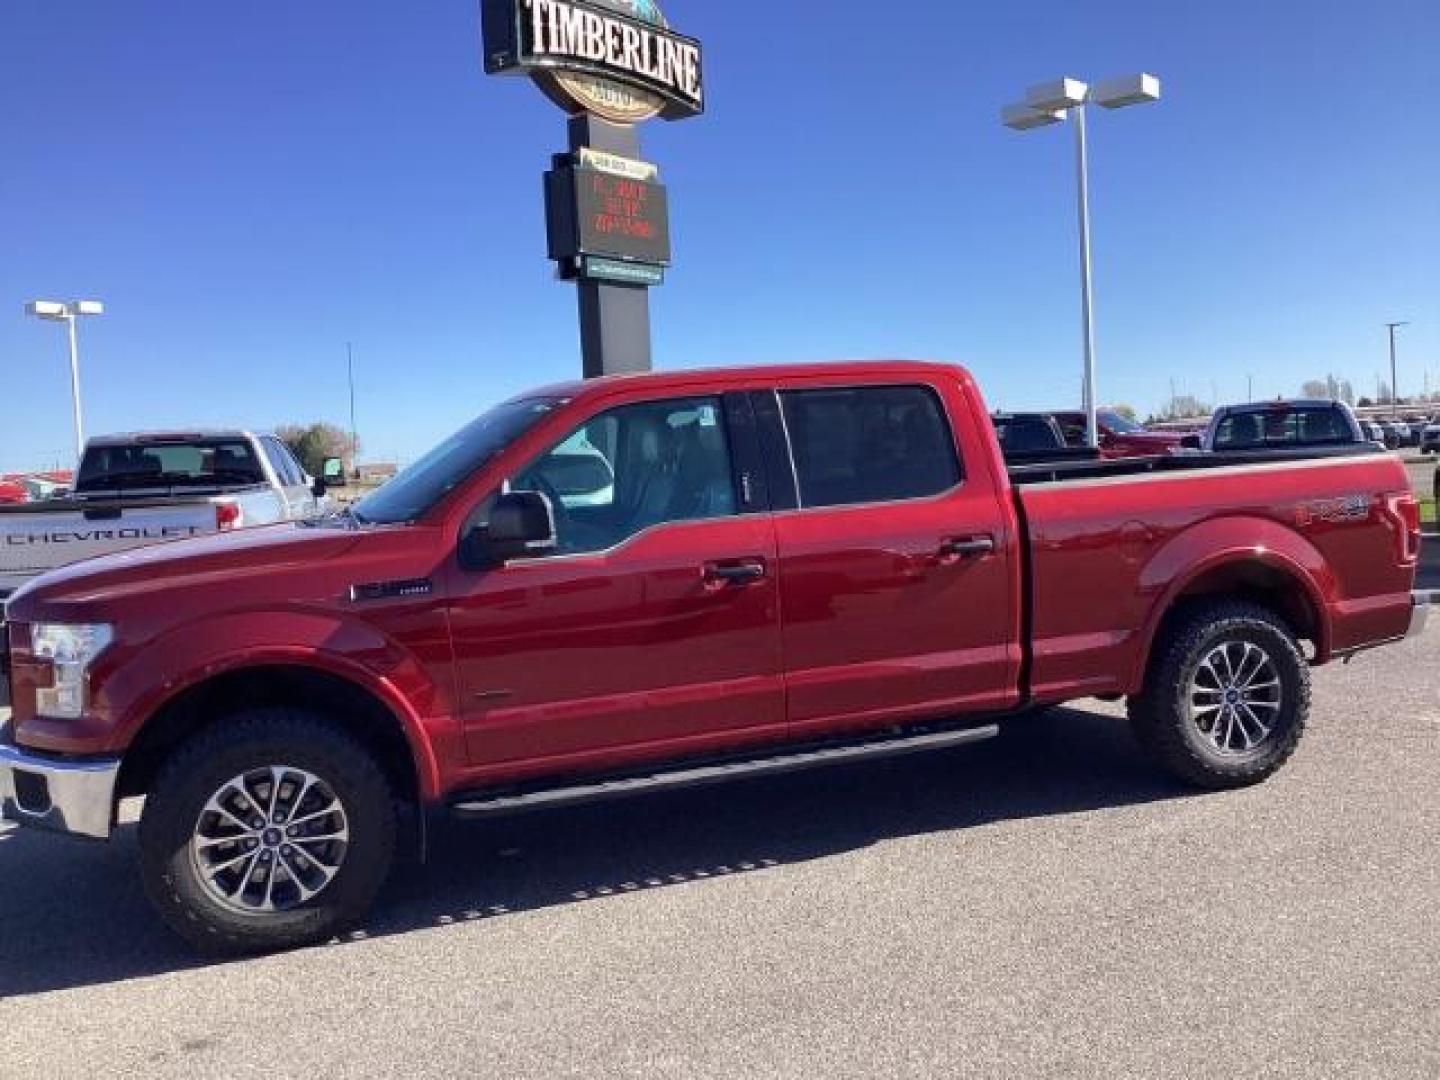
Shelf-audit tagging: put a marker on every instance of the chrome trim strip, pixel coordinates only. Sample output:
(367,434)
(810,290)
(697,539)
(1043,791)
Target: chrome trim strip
(81,794)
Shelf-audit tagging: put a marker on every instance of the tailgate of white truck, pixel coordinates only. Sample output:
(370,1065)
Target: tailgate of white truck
(36,537)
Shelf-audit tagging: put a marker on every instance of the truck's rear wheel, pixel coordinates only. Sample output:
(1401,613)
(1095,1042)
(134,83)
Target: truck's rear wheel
(1226,698)
(270,830)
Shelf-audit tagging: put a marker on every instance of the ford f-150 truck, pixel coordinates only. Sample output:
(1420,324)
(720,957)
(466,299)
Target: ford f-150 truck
(773,569)
(143,488)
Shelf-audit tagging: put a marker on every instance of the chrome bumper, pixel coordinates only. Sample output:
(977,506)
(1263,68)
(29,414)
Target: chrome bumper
(75,797)
(1420,602)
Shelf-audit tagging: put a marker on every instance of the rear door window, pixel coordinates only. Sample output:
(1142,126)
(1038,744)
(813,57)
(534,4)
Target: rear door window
(869,444)
(287,469)
(271,447)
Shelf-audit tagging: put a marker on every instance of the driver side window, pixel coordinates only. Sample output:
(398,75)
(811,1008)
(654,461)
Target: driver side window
(632,468)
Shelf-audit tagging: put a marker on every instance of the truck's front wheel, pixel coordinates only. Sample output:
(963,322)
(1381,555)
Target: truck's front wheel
(271,829)
(1226,697)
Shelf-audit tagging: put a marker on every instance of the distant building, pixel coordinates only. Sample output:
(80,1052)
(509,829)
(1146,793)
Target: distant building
(376,472)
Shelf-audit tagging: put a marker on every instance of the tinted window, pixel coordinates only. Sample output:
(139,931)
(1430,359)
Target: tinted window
(1021,433)
(1282,427)
(632,468)
(1075,431)
(195,462)
(446,467)
(869,444)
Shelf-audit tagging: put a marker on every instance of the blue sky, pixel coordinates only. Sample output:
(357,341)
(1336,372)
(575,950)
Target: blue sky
(250,186)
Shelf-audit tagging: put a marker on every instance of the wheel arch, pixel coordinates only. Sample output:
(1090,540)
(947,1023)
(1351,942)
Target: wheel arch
(1270,578)
(380,718)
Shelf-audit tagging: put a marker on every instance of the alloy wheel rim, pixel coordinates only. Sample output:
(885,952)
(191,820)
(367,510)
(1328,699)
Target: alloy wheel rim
(1235,697)
(270,840)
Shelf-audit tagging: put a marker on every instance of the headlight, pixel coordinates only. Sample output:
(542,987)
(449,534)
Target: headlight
(70,650)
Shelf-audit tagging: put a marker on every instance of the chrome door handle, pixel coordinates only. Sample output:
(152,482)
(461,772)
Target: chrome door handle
(966,547)
(733,573)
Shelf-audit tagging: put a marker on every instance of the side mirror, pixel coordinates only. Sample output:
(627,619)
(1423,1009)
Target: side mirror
(1190,442)
(521,523)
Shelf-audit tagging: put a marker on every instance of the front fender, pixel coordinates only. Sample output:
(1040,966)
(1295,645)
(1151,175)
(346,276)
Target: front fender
(180,659)
(1226,542)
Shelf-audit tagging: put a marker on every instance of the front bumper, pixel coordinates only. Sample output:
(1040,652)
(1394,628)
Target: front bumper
(69,796)
(1420,603)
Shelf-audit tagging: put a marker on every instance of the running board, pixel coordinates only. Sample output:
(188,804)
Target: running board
(698,775)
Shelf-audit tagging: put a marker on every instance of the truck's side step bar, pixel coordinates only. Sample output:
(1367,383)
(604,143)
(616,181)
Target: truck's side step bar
(695,775)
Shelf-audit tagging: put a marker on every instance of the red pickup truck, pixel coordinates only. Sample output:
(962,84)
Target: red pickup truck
(610,587)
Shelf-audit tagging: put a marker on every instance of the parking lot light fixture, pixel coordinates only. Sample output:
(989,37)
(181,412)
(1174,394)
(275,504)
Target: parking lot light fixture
(1022,117)
(69,313)
(1127,90)
(1047,103)
(1058,94)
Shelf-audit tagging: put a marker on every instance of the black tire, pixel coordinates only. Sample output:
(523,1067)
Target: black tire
(1161,713)
(246,745)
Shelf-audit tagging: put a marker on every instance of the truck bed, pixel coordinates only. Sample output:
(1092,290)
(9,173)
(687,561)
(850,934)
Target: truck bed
(1108,542)
(1059,469)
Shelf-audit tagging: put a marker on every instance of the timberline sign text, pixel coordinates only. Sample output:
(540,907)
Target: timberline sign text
(581,36)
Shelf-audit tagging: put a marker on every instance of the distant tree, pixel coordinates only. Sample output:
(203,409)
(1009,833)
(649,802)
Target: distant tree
(1330,387)
(1364,403)
(312,444)
(1127,411)
(1185,406)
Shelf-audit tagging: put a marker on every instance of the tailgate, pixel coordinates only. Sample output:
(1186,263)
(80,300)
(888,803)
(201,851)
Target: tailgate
(42,537)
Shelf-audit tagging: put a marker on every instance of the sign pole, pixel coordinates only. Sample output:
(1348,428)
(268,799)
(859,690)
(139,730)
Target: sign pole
(614,317)
(611,65)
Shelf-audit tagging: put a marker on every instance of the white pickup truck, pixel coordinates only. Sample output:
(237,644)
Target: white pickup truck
(143,488)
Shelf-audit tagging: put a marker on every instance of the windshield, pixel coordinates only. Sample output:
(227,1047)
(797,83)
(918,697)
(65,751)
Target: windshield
(1119,424)
(444,468)
(192,463)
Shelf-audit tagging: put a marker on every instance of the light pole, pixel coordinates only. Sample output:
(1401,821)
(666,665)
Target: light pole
(55,311)
(1394,387)
(1049,103)
(354,442)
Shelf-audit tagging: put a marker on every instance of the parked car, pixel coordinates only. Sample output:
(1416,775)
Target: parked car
(792,567)
(1375,433)
(1033,437)
(1430,436)
(1394,439)
(143,488)
(1294,424)
(1119,436)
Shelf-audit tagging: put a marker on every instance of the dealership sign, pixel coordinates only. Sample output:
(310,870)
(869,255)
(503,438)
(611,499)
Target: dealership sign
(616,59)
(609,207)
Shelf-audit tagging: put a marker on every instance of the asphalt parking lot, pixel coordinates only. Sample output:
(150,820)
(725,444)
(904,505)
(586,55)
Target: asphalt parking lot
(1045,904)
